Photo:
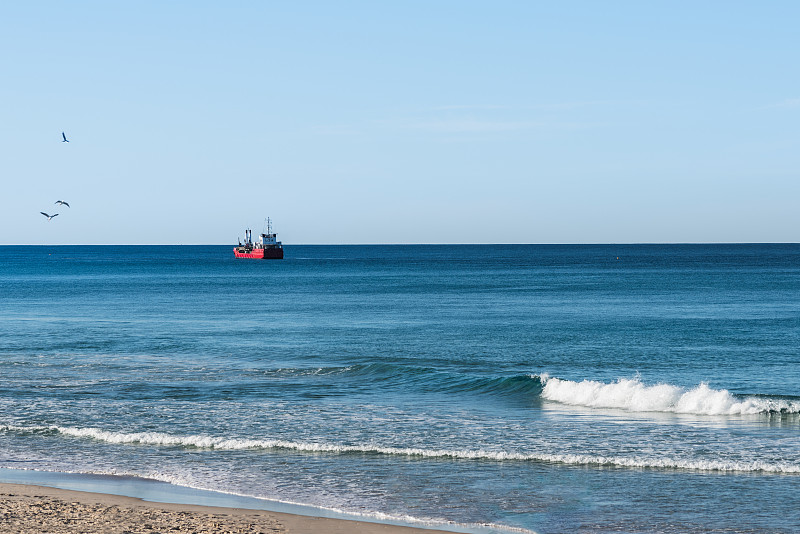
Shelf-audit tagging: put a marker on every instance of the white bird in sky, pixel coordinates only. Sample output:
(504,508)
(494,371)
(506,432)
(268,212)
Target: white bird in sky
(64,138)
(49,216)
(61,202)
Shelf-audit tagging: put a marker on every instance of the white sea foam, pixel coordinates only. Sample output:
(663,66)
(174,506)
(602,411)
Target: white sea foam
(633,395)
(220,443)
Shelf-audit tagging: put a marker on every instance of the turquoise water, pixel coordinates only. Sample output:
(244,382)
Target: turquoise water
(613,388)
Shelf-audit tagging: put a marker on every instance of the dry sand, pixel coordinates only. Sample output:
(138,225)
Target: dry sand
(40,510)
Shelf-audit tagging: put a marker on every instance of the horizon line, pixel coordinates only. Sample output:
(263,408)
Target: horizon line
(406,244)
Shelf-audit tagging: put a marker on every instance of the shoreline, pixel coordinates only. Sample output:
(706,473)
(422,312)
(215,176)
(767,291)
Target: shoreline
(75,497)
(30,508)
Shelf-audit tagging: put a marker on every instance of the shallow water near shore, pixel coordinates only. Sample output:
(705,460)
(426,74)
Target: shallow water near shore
(148,490)
(605,388)
(163,492)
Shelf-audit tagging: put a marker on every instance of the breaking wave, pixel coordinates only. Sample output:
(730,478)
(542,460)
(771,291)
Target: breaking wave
(626,394)
(633,395)
(222,443)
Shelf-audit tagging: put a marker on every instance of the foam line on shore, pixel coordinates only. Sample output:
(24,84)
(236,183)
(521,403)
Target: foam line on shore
(220,443)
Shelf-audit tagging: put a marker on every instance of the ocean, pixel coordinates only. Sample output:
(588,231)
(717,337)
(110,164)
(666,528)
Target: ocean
(480,388)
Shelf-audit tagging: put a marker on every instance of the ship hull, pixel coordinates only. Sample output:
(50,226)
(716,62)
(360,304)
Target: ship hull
(260,253)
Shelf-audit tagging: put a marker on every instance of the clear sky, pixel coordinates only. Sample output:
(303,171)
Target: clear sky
(400,122)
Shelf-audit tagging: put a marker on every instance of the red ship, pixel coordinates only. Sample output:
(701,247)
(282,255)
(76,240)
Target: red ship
(267,248)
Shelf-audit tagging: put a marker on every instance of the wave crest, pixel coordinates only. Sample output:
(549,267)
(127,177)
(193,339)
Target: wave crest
(634,396)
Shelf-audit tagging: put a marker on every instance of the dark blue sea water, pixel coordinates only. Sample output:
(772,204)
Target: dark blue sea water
(608,388)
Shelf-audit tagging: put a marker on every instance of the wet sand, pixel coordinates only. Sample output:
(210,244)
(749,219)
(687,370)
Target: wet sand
(39,509)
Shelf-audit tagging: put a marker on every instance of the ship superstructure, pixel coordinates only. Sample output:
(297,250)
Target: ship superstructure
(267,248)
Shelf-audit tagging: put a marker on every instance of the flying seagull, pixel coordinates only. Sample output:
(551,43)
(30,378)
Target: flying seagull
(64,136)
(61,202)
(49,216)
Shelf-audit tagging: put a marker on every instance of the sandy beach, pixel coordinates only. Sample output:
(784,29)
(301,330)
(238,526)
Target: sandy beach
(39,509)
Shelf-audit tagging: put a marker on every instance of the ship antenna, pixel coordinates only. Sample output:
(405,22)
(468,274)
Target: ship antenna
(269,226)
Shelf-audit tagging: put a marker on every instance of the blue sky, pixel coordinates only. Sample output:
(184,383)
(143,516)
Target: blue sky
(405,122)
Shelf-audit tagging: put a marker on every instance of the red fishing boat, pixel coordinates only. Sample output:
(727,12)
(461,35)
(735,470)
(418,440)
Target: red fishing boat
(267,248)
